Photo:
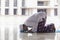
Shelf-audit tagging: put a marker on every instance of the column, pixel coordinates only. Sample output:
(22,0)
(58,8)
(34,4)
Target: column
(3,7)
(11,7)
(19,7)
(52,12)
(30,11)
(59,8)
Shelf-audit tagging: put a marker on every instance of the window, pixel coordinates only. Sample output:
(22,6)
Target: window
(7,3)
(15,3)
(6,11)
(23,3)
(55,12)
(23,11)
(0,3)
(0,10)
(15,11)
(40,3)
(41,10)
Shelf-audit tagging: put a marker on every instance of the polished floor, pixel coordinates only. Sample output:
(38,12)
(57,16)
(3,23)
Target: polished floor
(12,22)
(40,36)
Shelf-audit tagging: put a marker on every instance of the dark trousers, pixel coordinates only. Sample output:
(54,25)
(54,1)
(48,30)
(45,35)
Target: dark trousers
(45,29)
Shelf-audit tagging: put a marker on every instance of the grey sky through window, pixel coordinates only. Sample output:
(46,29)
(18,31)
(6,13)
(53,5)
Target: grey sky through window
(15,3)
(15,11)
(6,11)
(23,3)
(7,3)
(0,3)
(40,3)
(23,11)
(55,12)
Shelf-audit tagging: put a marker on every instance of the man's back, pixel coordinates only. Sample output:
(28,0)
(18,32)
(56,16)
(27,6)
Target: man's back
(34,19)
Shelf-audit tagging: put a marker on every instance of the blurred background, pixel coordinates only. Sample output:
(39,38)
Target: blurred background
(13,13)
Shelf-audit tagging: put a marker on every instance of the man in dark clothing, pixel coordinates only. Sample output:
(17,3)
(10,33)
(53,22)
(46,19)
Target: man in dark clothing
(46,29)
(41,25)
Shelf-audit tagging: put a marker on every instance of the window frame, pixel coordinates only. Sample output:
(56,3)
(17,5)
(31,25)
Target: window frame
(15,3)
(6,3)
(40,3)
(6,11)
(23,11)
(15,11)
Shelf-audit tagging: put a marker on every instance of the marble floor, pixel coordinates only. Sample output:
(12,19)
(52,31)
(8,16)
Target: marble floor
(40,36)
(12,24)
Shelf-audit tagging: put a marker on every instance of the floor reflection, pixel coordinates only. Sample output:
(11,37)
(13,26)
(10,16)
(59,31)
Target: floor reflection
(37,36)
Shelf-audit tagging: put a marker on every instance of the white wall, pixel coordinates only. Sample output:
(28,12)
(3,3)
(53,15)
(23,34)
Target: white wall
(2,7)
(30,3)
(59,8)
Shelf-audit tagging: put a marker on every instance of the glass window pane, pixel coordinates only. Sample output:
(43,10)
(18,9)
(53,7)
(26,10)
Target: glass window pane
(0,10)
(42,10)
(55,12)
(0,3)
(15,11)
(40,3)
(23,3)
(7,3)
(6,11)
(15,3)
(23,11)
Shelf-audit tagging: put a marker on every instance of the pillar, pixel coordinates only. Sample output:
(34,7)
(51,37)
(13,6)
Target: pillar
(52,12)
(19,7)
(3,7)
(11,7)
